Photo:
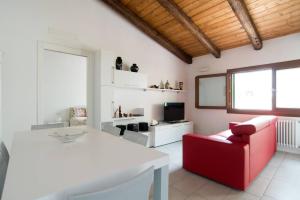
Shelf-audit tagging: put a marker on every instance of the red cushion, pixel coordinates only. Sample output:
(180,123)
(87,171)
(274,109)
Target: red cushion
(233,124)
(243,129)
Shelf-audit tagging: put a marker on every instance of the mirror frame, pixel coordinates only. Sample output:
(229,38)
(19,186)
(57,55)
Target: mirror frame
(197,78)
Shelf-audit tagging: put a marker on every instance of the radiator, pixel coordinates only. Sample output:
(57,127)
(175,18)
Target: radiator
(288,133)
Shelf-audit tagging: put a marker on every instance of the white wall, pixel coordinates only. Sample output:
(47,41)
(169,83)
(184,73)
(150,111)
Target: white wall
(274,50)
(64,84)
(85,24)
(1,58)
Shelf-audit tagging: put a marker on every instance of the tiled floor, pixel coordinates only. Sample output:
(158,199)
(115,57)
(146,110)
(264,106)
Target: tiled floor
(280,180)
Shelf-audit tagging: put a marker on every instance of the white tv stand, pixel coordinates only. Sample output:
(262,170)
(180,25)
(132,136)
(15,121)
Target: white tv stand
(165,133)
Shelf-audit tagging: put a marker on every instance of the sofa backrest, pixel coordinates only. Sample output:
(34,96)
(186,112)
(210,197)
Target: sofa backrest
(252,126)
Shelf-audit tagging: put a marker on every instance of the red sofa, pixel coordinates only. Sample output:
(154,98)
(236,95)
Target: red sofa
(233,157)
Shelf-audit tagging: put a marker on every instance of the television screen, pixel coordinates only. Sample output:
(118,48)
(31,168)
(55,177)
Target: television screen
(173,112)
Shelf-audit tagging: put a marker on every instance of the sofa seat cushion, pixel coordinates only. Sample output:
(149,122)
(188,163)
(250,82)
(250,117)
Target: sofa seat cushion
(252,126)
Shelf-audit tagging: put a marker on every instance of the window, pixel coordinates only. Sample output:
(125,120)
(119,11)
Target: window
(253,90)
(287,88)
(267,89)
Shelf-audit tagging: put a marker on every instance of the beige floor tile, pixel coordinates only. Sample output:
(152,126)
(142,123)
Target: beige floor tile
(190,183)
(268,198)
(195,197)
(268,172)
(277,159)
(289,171)
(258,186)
(214,191)
(177,175)
(283,191)
(174,194)
(241,195)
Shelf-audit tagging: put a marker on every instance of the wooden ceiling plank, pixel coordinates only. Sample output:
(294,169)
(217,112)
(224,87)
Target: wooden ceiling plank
(144,27)
(241,11)
(190,25)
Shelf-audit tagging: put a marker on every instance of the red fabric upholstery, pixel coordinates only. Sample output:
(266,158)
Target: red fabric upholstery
(233,124)
(234,160)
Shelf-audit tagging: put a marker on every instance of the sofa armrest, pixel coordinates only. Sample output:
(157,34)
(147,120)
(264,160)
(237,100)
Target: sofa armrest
(221,160)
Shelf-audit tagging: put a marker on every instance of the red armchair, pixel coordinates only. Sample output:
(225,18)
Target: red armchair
(233,157)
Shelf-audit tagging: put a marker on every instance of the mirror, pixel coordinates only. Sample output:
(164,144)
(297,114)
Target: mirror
(210,91)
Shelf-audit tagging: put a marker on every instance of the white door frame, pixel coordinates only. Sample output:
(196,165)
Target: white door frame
(42,46)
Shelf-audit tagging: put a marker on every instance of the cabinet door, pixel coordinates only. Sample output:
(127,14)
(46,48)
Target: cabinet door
(107,103)
(130,79)
(107,66)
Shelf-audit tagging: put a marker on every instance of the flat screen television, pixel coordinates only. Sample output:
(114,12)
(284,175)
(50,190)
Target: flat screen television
(173,112)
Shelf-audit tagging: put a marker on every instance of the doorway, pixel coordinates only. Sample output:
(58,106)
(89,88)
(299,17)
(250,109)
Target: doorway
(65,86)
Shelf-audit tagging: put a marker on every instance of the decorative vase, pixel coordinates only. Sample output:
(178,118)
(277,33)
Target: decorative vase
(134,68)
(176,85)
(167,85)
(180,85)
(161,85)
(119,63)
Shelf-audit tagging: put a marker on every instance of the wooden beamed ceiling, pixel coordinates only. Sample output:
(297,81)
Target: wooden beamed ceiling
(190,28)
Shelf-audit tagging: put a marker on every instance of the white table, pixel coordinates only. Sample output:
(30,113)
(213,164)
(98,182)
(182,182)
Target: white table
(40,165)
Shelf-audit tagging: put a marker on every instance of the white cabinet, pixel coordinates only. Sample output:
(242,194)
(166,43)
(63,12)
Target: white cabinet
(129,79)
(167,133)
(107,64)
(107,103)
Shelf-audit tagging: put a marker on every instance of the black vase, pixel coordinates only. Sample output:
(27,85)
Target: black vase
(134,68)
(119,63)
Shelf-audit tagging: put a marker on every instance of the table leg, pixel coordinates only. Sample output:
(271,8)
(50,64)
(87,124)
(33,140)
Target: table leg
(161,183)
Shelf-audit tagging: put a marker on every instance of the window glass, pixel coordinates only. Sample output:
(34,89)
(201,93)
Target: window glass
(252,90)
(287,88)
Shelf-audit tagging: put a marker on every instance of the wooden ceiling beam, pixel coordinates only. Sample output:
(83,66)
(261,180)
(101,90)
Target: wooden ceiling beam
(144,27)
(187,22)
(240,10)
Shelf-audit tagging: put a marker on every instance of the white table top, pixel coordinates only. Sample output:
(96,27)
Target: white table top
(41,165)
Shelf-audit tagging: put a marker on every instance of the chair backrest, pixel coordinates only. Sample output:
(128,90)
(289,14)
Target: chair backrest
(78,112)
(47,126)
(136,188)
(109,128)
(136,137)
(4,158)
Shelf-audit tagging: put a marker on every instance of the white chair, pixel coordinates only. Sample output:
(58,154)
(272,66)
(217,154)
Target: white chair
(47,126)
(136,188)
(136,137)
(109,128)
(4,158)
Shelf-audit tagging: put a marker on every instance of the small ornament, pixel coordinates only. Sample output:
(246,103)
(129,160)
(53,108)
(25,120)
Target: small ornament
(119,63)
(134,68)
(161,85)
(180,85)
(120,112)
(176,85)
(167,85)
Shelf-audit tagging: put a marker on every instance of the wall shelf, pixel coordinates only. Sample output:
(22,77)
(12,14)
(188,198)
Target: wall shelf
(164,90)
(127,118)
(145,89)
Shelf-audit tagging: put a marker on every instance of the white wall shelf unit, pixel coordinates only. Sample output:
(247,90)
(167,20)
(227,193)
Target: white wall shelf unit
(145,89)
(164,90)
(127,118)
